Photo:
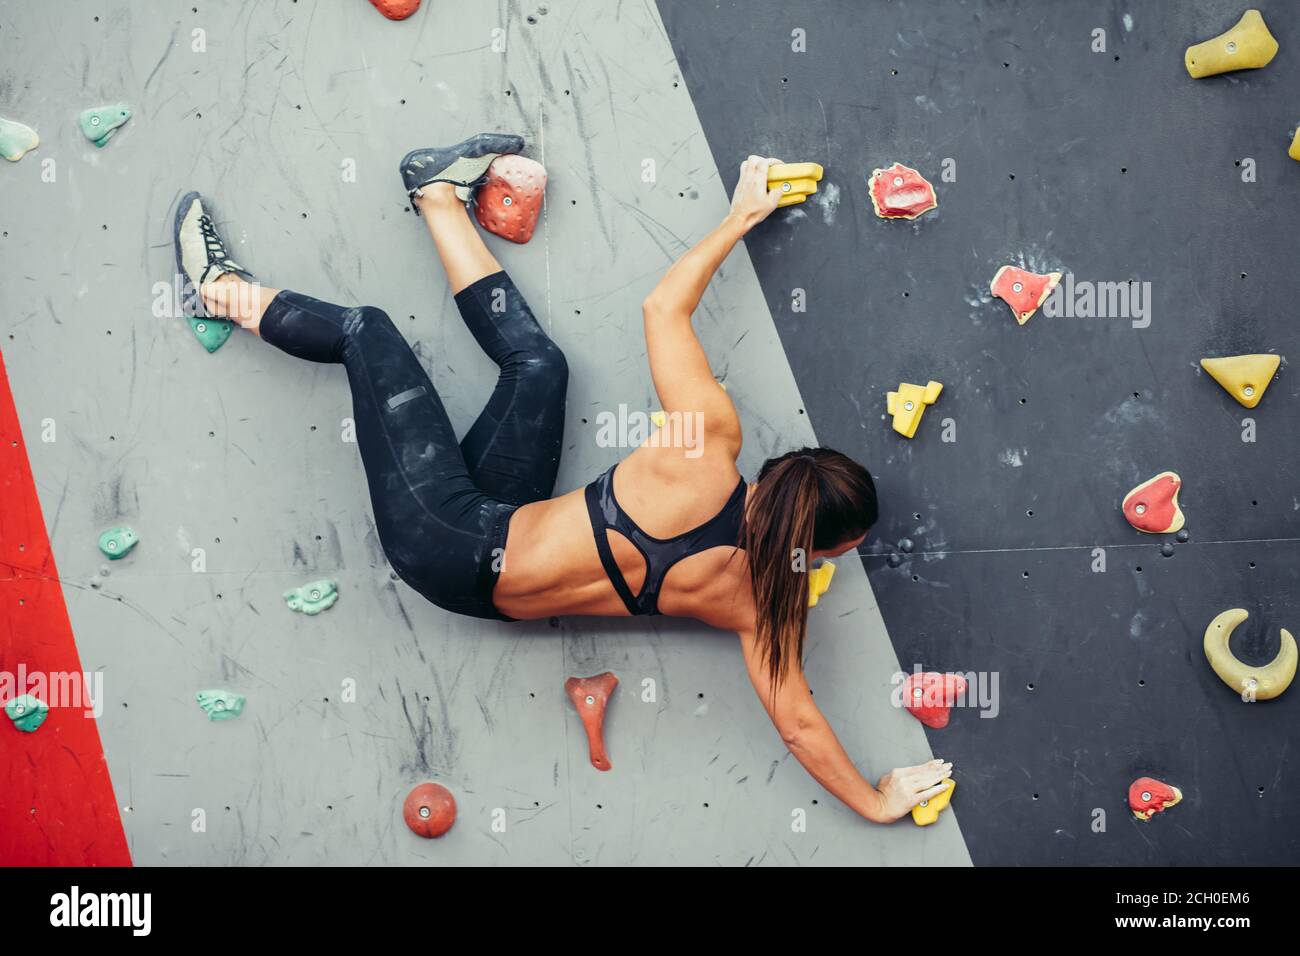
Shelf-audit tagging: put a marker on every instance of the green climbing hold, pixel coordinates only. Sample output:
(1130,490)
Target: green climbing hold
(220,704)
(314,597)
(27,712)
(100,123)
(116,542)
(211,333)
(16,139)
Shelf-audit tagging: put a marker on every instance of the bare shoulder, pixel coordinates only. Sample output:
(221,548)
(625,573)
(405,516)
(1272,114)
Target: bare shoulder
(699,477)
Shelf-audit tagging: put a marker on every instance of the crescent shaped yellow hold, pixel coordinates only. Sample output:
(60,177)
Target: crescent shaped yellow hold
(1264,682)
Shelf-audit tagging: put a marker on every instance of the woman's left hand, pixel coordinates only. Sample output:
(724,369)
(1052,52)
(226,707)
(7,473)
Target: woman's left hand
(752,202)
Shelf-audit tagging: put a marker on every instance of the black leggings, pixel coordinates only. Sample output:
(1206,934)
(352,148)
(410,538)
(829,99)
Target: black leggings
(442,508)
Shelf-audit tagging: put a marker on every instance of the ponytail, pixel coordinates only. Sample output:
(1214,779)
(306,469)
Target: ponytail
(809,499)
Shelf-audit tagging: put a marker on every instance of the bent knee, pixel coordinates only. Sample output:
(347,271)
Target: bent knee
(545,364)
(361,319)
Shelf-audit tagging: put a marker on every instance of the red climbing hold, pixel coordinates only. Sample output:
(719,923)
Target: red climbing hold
(900,192)
(1153,505)
(1023,291)
(509,203)
(396,9)
(430,810)
(590,695)
(1148,796)
(930,696)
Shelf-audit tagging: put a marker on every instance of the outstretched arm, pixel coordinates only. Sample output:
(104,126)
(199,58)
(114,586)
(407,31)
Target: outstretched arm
(682,377)
(809,737)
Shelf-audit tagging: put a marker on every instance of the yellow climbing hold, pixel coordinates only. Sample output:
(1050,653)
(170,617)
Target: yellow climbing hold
(1244,377)
(907,404)
(1294,151)
(1247,46)
(796,181)
(819,581)
(1257,683)
(927,811)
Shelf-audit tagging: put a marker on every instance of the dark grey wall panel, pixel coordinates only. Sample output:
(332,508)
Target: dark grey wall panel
(1112,166)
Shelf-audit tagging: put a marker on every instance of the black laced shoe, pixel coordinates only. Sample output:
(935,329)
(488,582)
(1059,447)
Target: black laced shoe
(201,254)
(464,165)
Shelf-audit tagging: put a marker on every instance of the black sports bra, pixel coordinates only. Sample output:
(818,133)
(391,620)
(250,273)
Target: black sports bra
(660,554)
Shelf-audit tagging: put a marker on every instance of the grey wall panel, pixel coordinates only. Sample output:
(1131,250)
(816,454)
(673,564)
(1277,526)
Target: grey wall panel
(239,453)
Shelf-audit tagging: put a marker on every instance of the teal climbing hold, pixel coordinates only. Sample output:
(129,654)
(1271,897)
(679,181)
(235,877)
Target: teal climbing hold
(211,333)
(220,704)
(312,598)
(116,542)
(101,122)
(16,139)
(27,712)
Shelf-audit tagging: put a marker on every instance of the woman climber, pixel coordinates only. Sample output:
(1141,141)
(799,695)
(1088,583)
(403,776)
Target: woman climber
(471,524)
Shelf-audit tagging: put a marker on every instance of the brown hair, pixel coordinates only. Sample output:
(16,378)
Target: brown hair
(806,500)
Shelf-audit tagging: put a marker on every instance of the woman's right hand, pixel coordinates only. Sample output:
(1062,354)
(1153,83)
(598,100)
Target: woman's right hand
(752,202)
(904,787)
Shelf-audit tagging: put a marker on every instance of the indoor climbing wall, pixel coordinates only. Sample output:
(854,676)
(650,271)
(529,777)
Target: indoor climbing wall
(234,470)
(1062,137)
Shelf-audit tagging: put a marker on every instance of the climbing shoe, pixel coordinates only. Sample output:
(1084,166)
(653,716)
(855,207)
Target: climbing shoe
(201,254)
(464,165)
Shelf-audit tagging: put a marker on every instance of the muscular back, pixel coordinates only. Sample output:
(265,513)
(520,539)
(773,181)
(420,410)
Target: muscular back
(552,567)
